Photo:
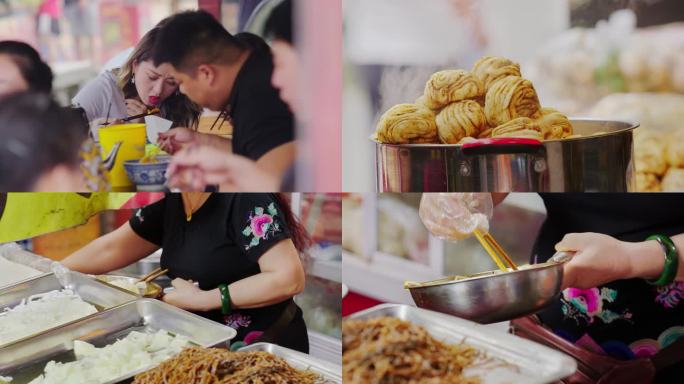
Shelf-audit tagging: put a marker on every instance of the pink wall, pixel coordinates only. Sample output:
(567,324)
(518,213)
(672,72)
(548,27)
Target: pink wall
(320,36)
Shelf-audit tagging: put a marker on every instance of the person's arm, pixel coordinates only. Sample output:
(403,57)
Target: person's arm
(271,168)
(600,259)
(197,166)
(92,98)
(215,141)
(110,252)
(282,276)
(279,159)
(179,138)
(99,97)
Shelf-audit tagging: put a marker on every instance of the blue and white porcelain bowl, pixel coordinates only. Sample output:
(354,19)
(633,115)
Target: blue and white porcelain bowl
(148,176)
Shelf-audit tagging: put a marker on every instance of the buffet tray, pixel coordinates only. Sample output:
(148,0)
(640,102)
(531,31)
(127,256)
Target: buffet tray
(24,360)
(508,358)
(100,295)
(330,372)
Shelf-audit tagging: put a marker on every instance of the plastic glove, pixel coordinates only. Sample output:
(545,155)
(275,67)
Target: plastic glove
(62,273)
(16,253)
(455,216)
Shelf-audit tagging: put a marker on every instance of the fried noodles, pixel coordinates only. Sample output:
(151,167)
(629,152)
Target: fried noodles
(390,350)
(219,366)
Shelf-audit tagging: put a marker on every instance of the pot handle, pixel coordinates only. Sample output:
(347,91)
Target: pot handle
(502,145)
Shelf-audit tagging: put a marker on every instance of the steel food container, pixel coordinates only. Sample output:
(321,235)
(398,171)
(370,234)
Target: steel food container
(331,373)
(24,360)
(100,295)
(601,160)
(506,358)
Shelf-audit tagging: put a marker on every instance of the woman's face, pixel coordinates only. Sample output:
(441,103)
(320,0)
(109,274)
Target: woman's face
(154,84)
(285,72)
(11,79)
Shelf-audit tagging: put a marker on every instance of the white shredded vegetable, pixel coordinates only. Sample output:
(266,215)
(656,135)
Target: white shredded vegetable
(41,312)
(100,365)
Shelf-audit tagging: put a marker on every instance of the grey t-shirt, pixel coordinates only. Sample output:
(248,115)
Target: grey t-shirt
(98,94)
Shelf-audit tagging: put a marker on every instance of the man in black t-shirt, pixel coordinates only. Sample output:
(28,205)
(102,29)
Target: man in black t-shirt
(231,74)
(195,167)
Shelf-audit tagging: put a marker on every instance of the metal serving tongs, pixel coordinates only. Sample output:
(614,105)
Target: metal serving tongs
(495,251)
(152,275)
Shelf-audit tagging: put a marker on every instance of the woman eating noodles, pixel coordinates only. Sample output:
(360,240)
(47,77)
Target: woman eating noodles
(137,88)
(242,250)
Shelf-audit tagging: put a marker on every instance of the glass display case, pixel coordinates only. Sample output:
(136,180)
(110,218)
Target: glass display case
(321,302)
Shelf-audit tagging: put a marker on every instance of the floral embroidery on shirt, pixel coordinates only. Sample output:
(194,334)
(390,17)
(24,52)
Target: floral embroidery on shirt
(261,225)
(669,296)
(251,337)
(649,347)
(589,304)
(237,320)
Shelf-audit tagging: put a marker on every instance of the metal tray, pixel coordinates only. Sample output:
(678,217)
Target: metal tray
(513,359)
(331,372)
(25,360)
(101,295)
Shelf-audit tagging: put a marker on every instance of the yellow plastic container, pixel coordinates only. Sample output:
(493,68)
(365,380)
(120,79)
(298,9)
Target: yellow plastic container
(133,138)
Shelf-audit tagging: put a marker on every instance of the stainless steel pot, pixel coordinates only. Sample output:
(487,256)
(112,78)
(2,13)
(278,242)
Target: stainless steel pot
(598,161)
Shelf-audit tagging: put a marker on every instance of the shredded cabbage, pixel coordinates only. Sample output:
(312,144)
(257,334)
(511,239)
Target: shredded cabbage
(137,288)
(41,312)
(99,365)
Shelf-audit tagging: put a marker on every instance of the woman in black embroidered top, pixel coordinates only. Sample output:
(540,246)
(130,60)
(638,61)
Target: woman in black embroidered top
(607,306)
(249,242)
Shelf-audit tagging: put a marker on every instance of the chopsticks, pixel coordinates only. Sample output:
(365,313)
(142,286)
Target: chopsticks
(108,111)
(153,275)
(149,112)
(223,116)
(495,251)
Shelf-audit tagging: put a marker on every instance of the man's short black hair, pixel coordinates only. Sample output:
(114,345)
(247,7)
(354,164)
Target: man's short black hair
(37,135)
(34,70)
(191,38)
(279,23)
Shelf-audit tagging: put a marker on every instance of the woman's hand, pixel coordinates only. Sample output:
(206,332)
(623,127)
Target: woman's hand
(176,139)
(455,216)
(188,296)
(197,166)
(600,259)
(134,108)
